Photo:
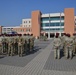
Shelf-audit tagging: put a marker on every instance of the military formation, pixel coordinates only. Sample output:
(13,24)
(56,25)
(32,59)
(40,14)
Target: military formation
(16,45)
(64,45)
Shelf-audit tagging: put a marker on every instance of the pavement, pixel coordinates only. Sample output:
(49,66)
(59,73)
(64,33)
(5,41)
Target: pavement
(41,62)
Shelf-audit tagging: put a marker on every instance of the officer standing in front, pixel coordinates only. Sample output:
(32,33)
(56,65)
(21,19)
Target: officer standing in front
(56,46)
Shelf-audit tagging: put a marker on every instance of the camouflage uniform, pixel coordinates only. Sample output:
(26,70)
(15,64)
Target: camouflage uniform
(10,47)
(57,44)
(20,47)
(31,44)
(15,46)
(68,47)
(0,44)
(74,51)
(25,46)
(3,44)
(63,41)
(28,45)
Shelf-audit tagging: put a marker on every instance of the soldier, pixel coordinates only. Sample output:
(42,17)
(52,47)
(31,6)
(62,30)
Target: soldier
(0,44)
(28,45)
(63,42)
(15,46)
(3,44)
(57,44)
(74,46)
(20,47)
(25,46)
(31,44)
(11,46)
(7,44)
(68,47)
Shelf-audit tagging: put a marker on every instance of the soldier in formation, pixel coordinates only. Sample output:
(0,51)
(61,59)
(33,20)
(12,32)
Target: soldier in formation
(68,47)
(67,44)
(13,45)
(57,44)
(74,45)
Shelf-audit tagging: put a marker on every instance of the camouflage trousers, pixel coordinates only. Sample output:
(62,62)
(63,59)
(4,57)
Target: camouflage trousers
(31,48)
(68,52)
(57,53)
(0,49)
(4,47)
(20,50)
(74,49)
(10,50)
(16,48)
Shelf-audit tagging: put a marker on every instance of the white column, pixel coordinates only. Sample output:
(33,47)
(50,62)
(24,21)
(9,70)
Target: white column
(48,35)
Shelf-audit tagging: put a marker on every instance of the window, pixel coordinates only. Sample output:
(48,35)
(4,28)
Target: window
(28,30)
(24,21)
(57,18)
(29,21)
(52,24)
(45,19)
(53,29)
(29,25)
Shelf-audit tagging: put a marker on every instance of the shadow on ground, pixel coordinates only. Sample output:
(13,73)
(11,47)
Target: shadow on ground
(62,64)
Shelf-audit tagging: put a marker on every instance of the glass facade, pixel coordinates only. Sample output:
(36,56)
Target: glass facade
(52,18)
(53,29)
(45,19)
(56,18)
(52,24)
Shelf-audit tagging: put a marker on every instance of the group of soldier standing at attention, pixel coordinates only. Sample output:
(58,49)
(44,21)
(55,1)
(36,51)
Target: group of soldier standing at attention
(16,45)
(19,45)
(65,44)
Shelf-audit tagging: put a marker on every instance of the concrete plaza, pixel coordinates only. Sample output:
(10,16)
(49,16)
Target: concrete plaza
(40,62)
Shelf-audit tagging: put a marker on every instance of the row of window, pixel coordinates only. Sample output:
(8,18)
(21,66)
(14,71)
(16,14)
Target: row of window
(27,21)
(22,30)
(7,28)
(53,29)
(52,18)
(26,25)
(52,24)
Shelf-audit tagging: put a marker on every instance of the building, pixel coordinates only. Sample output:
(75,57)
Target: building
(7,30)
(48,24)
